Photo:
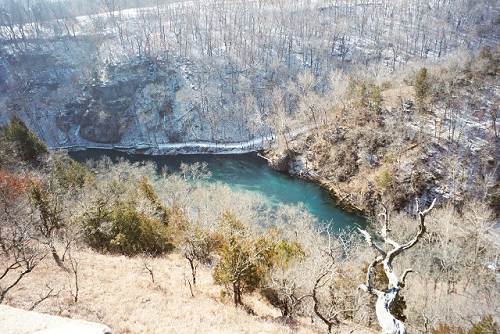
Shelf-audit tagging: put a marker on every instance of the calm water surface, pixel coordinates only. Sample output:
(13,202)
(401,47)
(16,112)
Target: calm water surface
(251,173)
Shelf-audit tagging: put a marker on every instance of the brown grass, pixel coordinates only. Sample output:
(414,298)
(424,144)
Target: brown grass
(116,291)
(394,96)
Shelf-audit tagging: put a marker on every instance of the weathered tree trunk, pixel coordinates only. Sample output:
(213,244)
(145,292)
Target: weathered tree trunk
(389,324)
(386,320)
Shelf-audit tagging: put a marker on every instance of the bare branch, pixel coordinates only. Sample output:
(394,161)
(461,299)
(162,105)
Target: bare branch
(148,268)
(75,288)
(368,286)
(329,321)
(370,242)
(44,297)
(385,298)
(429,209)
(402,280)
(385,226)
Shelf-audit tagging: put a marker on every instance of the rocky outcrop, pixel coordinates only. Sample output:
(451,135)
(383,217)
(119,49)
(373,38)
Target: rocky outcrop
(17,321)
(72,100)
(106,110)
(417,173)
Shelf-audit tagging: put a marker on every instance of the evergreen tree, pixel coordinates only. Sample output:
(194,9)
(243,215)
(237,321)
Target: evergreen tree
(422,88)
(28,146)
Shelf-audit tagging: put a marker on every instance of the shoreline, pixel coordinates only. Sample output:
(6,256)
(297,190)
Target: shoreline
(297,167)
(258,144)
(341,200)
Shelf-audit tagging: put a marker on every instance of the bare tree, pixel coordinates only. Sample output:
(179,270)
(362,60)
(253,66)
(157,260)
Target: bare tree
(198,249)
(285,290)
(327,316)
(20,252)
(336,302)
(48,205)
(42,297)
(148,267)
(386,298)
(19,261)
(74,272)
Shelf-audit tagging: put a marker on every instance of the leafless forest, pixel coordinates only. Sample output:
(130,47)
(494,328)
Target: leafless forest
(391,106)
(227,71)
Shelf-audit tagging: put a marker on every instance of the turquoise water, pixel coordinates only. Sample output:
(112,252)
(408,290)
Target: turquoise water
(251,173)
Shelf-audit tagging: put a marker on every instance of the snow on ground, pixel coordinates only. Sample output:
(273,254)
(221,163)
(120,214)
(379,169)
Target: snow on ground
(195,147)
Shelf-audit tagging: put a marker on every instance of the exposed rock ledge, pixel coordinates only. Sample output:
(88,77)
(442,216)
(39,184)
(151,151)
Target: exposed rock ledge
(177,148)
(194,147)
(17,321)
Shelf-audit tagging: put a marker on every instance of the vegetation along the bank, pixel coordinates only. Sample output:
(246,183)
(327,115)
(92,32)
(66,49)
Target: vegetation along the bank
(434,272)
(390,105)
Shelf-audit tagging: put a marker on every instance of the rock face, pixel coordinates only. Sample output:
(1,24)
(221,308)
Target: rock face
(82,101)
(104,111)
(17,321)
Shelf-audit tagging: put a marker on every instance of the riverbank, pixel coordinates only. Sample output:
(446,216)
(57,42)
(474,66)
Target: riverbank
(192,147)
(297,165)
(177,148)
(293,165)
(248,173)
(264,147)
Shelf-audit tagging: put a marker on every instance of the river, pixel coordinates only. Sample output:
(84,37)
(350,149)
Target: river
(251,173)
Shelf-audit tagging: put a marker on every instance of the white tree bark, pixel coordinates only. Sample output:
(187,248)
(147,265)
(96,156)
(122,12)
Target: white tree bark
(387,321)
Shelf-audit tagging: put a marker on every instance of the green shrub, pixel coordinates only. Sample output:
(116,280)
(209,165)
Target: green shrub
(95,224)
(422,88)
(487,62)
(125,230)
(28,146)
(375,98)
(70,174)
(485,326)
(154,236)
(147,190)
(122,229)
(365,95)
(384,179)
(246,259)
(447,329)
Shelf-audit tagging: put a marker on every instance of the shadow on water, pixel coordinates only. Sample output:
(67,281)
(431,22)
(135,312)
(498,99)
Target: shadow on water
(251,173)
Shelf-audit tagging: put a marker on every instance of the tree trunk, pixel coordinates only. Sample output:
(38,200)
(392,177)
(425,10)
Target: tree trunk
(57,258)
(193,270)
(385,298)
(237,293)
(389,324)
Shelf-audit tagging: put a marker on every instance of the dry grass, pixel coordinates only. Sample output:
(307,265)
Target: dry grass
(393,97)
(116,291)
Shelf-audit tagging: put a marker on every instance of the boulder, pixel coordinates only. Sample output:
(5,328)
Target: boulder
(17,321)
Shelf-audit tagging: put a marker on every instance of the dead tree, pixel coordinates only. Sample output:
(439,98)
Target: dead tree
(385,298)
(147,267)
(41,298)
(18,261)
(74,286)
(330,319)
(20,252)
(334,306)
